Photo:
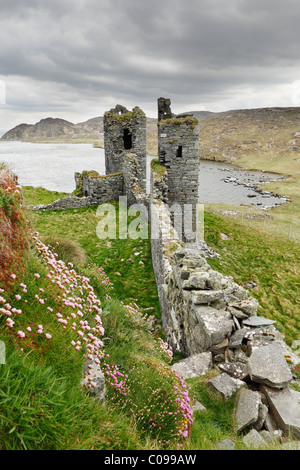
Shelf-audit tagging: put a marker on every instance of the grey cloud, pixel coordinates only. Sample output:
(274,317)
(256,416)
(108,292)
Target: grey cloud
(196,51)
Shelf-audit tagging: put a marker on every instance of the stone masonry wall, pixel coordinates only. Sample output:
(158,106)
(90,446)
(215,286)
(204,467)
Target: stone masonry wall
(125,132)
(178,152)
(103,188)
(215,323)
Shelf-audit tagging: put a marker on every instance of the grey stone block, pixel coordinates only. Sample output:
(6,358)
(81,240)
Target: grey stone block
(267,365)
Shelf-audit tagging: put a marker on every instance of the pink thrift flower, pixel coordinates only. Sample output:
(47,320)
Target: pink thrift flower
(48,336)
(21,334)
(18,297)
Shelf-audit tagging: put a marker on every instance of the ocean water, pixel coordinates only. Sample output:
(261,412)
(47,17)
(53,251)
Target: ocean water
(53,166)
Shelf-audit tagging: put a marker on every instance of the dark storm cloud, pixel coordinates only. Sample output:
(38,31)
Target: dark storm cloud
(196,52)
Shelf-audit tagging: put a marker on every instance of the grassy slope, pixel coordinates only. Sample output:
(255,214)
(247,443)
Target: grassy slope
(247,255)
(127,262)
(126,340)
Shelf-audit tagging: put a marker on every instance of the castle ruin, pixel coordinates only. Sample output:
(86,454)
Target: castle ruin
(126,163)
(205,315)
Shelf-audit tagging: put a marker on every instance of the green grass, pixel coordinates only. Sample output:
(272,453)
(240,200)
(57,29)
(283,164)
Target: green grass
(247,254)
(36,196)
(127,262)
(271,262)
(40,411)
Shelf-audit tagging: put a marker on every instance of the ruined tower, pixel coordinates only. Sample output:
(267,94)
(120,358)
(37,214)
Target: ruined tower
(124,133)
(178,152)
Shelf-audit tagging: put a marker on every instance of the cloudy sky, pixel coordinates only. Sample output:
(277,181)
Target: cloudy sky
(75,59)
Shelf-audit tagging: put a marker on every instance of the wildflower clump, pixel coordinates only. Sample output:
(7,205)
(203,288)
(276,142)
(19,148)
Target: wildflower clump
(13,231)
(146,388)
(66,305)
(157,399)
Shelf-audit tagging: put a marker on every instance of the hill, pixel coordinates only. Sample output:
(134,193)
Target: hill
(262,138)
(53,129)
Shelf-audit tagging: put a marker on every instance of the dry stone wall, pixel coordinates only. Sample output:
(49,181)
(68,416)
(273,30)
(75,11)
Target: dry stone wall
(215,323)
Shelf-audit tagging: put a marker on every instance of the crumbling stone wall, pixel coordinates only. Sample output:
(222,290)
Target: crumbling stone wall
(125,132)
(178,152)
(195,300)
(103,188)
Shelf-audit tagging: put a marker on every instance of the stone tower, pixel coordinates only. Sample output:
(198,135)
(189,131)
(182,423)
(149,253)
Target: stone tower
(178,152)
(125,132)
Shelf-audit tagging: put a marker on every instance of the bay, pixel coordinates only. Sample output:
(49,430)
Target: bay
(53,166)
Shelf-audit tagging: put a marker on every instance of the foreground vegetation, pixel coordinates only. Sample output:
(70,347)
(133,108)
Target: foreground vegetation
(43,403)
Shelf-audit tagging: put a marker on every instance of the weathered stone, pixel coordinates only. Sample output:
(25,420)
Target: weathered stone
(262,414)
(206,296)
(225,385)
(237,370)
(253,440)
(248,306)
(237,313)
(194,366)
(226,444)
(236,339)
(257,341)
(209,326)
(96,375)
(220,347)
(198,406)
(195,281)
(237,355)
(270,423)
(267,365)
(285,410)
(247,409)
(258,321)
(271,437)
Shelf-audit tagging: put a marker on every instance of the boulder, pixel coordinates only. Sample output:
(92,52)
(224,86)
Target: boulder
(267,365)
(253,440)
(225,385)
(285,410)
(194,366)
(212,326)
(250,411)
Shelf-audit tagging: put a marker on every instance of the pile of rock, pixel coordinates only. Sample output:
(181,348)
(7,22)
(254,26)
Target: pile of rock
(258,366)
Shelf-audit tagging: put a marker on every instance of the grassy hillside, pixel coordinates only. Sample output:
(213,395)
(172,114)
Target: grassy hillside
(43,404)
